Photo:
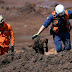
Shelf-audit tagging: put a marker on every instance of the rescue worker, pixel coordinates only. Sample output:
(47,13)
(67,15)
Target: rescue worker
(60,28)
(6,33)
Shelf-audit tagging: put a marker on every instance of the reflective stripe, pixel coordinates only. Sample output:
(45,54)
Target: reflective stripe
(6,31)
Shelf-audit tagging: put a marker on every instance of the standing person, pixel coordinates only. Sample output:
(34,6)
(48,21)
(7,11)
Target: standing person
(6,33)
(60,28)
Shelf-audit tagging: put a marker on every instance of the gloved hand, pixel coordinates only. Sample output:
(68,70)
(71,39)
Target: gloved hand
(35,35)
(12,48)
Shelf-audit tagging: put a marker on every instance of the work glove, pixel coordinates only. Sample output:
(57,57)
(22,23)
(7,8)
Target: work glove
(12,48)
(35,35)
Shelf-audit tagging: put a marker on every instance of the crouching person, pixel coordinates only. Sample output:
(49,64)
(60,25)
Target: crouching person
(60,27)
(6,33)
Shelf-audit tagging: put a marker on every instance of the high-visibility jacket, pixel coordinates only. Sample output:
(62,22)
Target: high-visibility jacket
(6,36)
(66,25)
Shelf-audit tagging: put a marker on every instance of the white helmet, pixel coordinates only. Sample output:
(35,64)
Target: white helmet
(59,9)
(1,19)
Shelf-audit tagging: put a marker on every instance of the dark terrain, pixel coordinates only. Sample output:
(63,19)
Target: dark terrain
(26,17)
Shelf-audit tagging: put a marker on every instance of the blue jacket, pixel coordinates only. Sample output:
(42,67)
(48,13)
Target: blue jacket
(50,19)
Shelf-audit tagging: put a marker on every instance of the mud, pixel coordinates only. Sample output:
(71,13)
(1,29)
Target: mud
(26,17)
(30,61)
(40,45)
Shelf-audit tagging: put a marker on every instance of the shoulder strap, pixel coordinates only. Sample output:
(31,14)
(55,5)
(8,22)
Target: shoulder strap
(66,14)
(53,13)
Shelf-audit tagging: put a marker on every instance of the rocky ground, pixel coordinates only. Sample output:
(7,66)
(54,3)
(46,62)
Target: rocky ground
(26,17)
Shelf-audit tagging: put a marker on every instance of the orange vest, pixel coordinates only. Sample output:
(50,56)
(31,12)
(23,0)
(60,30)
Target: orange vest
(55,26)
(6,33)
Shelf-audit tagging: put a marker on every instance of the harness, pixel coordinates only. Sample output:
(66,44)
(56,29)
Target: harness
(65,24)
